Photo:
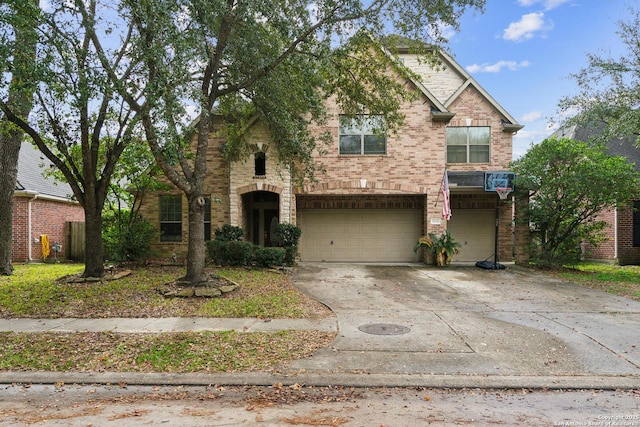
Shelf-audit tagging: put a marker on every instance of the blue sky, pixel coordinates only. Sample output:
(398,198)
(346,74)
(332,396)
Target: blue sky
(523,52)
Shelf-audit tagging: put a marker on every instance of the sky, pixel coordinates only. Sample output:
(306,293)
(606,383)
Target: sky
(523,52)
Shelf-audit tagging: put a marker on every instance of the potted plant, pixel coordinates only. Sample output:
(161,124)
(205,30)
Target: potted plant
(442,248)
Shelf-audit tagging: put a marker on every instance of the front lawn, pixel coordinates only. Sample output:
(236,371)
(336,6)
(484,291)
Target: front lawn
(619,280)
(32,291)
(166,352)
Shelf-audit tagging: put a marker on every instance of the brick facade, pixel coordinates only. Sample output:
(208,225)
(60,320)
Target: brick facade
(619,231)
(33,217)
(413,165)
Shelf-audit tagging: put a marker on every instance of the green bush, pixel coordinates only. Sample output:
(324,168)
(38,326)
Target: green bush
(126,238)
(228,233)
(287,237)
(235,252)
(269,257)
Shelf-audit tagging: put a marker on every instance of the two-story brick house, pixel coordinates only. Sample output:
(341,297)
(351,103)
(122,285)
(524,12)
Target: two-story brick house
(378,195)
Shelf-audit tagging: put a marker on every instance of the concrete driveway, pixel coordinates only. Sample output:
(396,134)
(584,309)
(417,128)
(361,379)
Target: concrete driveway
(508,325)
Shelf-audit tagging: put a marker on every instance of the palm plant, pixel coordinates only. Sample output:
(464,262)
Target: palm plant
(442,248)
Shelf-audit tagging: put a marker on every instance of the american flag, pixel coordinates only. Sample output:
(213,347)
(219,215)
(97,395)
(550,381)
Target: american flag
(446,205)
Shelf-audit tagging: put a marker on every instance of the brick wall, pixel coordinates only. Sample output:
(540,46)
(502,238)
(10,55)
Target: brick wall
(605,250)
(47,217)
(216,186)
(627,253)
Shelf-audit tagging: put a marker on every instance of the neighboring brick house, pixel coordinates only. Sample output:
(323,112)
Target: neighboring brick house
(378,195)
(40,207)
(622,244)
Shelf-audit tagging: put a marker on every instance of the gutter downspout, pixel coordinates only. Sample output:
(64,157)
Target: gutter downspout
(29,234)
(615,233)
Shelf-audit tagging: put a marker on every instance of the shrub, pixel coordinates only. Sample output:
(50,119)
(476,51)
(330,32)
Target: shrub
(228,233)
(268,257)
(287,236)
(235,252)
(126,237)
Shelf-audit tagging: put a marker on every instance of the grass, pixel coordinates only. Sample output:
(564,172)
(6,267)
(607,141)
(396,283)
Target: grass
(166,352)
(619,280)
(32,291)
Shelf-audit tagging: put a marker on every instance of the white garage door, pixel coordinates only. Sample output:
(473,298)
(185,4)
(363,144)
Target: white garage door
(359,235)
(475,230)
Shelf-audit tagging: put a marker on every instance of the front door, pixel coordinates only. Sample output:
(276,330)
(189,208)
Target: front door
(271,217)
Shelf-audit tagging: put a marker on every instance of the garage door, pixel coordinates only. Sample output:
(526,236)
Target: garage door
(474,229)
(359,235)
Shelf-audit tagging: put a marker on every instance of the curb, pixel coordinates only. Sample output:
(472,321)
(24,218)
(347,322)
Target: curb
(595,382)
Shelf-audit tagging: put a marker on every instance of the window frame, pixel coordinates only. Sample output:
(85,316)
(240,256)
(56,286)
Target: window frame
(468,145)
(635,224)
(207,218)
(260,164)
(170,208)
(352,129)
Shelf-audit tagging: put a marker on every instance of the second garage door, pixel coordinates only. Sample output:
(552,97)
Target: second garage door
(474,229)
(359,235)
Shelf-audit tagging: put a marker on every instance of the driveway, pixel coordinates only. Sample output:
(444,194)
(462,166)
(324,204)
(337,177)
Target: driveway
(469,322)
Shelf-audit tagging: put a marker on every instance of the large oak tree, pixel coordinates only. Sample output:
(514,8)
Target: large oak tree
(276,61)
(79,121)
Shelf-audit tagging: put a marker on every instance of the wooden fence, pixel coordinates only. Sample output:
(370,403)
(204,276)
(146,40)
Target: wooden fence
(75,241)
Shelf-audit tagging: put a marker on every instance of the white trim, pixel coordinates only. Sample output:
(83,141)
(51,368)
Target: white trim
(615,233)
(34,194)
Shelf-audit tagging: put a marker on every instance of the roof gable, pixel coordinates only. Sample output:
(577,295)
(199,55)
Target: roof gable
(448,83)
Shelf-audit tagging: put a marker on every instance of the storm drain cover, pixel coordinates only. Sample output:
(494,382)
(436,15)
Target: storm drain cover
(383,329)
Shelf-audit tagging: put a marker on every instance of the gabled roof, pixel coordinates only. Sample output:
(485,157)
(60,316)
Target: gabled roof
(509,123)
(30,178)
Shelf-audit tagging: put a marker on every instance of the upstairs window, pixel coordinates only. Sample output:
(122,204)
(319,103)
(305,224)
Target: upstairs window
(361,135)
(260,163)
(171,218)
(468,144)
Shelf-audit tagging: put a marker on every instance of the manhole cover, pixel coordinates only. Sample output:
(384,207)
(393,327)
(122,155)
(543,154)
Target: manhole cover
(383,329)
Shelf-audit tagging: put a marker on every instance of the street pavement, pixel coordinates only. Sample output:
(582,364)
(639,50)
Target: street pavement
(415,325)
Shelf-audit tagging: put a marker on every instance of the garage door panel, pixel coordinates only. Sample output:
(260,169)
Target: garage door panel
(474,229)
(385,235)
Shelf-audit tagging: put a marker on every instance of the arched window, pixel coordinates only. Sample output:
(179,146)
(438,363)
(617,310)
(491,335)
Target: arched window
(260,164)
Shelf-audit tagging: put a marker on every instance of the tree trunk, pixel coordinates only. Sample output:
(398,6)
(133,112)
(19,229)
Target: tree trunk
(20,101)
(196,248)
(93,262)
(9,151)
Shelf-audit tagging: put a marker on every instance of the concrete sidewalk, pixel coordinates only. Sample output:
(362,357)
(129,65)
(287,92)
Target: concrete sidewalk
(165,324)
(412,325)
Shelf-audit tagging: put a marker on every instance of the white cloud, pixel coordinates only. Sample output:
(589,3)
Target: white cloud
(532,116)
(548,4)
(497,67)
(526,28)
(443,30)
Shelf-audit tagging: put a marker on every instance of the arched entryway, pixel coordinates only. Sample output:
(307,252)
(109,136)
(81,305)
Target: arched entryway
(261,215)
